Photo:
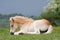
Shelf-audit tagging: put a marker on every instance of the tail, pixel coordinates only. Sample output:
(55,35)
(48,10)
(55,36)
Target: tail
(50,29)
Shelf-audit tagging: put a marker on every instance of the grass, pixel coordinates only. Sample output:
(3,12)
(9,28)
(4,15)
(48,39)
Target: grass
(5,35)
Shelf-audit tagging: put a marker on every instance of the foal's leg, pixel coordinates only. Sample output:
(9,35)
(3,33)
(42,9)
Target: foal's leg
(50,29)
(32,33)
(35,32)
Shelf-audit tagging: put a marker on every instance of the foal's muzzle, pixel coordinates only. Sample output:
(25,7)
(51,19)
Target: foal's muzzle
(12,33)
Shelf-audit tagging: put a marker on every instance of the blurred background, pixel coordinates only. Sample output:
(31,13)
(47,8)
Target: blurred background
(36,9)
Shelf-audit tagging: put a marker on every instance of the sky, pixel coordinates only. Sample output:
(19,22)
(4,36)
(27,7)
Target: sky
(25,7)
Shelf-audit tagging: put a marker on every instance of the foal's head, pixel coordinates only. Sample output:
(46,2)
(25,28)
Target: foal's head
(13,25)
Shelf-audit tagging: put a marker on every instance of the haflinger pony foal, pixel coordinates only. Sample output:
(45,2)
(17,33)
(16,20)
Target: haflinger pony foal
(29,26)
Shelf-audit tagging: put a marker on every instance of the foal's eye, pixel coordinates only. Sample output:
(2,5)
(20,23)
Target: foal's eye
(11,25)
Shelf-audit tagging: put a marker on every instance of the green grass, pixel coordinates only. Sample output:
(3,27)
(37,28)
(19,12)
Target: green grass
(5,35)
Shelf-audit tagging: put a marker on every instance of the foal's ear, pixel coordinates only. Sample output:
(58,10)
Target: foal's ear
(12,19)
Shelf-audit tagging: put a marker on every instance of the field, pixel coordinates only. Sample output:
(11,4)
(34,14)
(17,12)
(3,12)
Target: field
(5,35)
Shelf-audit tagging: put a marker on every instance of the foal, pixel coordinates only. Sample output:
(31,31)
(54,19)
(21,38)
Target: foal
(29,26)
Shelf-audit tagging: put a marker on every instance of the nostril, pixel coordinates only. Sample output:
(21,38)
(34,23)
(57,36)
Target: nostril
(12,33)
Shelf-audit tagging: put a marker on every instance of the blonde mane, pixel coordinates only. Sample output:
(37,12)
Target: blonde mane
(25,18)
(21,19)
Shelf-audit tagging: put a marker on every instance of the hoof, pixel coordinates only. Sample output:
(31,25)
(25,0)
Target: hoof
(21,33)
